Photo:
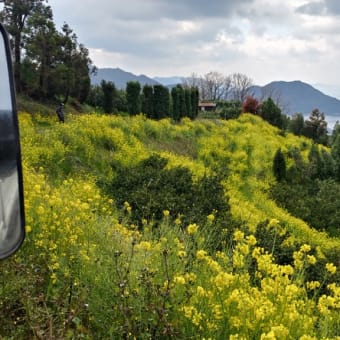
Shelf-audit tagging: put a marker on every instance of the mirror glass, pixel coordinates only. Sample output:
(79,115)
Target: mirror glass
(11,193)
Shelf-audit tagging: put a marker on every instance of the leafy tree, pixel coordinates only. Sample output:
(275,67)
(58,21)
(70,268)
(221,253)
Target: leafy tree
(161,102)
(335,152)
(133,97)
(315,163)
(279,166)
(335,132)
(95,96)
(121,101)
(297,172)
(271,113)
(296,124)
(251,105)
(229,109)
(14,16)
(328,165)
(147,101)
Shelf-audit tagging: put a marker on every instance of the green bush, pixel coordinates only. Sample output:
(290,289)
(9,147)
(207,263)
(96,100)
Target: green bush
(150,188)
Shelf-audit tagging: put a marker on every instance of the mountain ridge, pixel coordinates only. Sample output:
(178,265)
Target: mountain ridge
(297,96)
(120,77)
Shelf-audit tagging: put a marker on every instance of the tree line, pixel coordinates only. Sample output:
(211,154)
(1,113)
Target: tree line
(51,65)
(156,101)
(48,64)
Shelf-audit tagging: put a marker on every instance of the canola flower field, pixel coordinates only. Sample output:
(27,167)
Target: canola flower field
(86,272)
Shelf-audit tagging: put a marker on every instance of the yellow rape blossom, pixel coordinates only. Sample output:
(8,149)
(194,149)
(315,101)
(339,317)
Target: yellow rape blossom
(330,267)
(179,279)
(201,254)
(144,245)
(192,228)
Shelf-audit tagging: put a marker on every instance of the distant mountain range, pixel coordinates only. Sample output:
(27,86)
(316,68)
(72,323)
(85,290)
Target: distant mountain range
(297,96)
(120,77)
(293,96)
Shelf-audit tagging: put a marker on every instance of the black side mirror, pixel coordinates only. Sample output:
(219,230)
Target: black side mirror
(12,226)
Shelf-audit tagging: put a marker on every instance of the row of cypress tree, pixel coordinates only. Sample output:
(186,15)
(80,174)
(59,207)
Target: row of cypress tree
(158,102)
(155,101)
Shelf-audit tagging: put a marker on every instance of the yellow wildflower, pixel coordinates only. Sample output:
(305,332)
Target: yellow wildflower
(313,285)
(201,254)
(311,259)
(192,228)
(144,245)
(305,248)
(211,218)
(330,267)
(273,223)
(179,279)
(181,253)
(238,235)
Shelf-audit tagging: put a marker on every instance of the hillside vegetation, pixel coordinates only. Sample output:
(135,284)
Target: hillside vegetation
(104,259)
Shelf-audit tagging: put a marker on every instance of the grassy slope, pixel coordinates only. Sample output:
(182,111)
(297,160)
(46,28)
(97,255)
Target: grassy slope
(86,145)
(85,272)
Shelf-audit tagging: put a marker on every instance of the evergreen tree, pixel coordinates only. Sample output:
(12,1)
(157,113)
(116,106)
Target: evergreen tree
(75,62)
(54,66)
(147,101)
(271,113)
(175,96)
(279,166)
(161,102)
(42,43)
(194,102)
(187,96)
(133,97)
(14,16)
(316,127)
(108,92)
(182,102)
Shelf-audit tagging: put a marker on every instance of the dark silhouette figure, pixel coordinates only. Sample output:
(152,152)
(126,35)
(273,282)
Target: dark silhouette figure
(60,113)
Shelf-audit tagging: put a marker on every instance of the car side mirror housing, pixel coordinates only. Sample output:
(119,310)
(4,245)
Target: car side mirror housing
(12,225)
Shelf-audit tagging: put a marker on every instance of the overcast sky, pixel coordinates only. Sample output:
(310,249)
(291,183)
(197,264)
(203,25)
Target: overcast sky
(265,39)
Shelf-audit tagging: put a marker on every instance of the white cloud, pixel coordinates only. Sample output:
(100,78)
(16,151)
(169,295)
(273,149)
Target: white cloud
(265,39)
